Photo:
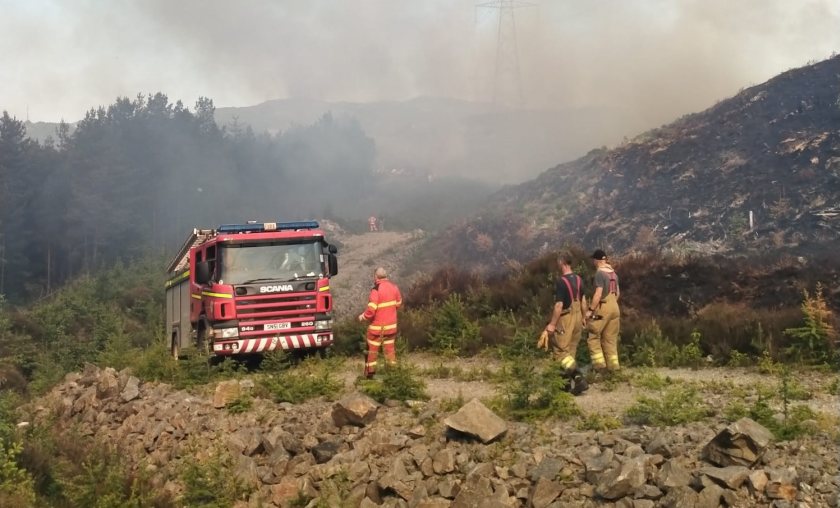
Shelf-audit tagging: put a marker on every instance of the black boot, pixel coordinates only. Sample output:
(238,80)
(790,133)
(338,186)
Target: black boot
(579,384)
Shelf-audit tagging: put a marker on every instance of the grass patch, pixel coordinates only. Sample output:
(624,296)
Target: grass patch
(458,373)
(598,422)
(833,387)
(650,379)
(675,406)
(453,404)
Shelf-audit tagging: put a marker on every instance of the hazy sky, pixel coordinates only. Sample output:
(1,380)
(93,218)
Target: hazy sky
(657,58)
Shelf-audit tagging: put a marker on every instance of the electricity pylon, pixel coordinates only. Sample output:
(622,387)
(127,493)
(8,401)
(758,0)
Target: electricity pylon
(507,78)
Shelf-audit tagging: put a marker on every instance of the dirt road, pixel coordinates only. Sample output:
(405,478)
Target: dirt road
(358,257)
(718,386)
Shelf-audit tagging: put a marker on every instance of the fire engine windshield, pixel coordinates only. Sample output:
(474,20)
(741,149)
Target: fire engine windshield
(259,262)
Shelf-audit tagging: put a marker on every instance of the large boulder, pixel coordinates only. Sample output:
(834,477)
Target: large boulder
(545,492)
(354,409)
(740,444)
(731,477)
(226,392)
(476,420)
(781,484)
(131,390)
(108,385)
(673,476)
(621,481)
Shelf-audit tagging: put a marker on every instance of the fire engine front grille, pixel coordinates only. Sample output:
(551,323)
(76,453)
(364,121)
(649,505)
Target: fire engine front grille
(260,308)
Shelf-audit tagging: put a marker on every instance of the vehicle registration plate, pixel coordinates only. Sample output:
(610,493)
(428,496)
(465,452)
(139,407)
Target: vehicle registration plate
(277,326)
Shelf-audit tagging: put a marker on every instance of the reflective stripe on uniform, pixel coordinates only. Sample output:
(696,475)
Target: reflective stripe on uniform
(387,342)
(374,343)
(598,358)
(390,303)
(370,364)
(197,297)
(372,305)
(381,328)
(613,359)
(567,362)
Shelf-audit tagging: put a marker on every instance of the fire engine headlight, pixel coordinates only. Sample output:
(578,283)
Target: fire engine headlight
(226,333)
(325,324)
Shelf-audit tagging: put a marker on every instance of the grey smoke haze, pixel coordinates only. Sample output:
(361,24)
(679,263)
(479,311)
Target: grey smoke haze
(656,58)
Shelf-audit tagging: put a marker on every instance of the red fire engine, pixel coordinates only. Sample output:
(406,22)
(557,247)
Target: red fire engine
(251,288)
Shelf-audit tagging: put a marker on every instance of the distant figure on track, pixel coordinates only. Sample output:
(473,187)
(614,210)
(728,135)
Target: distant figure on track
(383,302)
(372,224)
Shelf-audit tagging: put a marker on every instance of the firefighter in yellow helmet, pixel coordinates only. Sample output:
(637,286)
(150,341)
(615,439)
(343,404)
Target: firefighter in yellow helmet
(603,315)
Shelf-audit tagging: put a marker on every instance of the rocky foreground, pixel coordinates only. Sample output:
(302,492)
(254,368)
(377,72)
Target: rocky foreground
(357,453)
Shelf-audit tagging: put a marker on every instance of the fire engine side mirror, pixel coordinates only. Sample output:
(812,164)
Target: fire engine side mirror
(202,272)
(333,262)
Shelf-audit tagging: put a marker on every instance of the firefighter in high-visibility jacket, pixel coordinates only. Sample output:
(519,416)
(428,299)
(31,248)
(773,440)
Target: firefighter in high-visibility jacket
(381,311)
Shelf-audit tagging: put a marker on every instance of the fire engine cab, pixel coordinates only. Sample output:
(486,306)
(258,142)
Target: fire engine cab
(251,288)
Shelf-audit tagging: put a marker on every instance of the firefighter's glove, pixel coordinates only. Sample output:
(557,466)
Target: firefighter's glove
(542,343)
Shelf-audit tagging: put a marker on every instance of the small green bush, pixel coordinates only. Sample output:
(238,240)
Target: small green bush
(16,483)
(519,337)
(530,393)
(212,483)
(310,379)
(739,359)
(735,410)
(677,405)
(452,332)
(240,405)
(653,349)
(394,382)
(767,365)
(350,337)
(104,480)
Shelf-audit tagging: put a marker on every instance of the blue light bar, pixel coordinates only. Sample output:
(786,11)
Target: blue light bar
(267,226)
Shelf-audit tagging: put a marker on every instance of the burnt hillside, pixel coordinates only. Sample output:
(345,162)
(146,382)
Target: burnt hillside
(773,150)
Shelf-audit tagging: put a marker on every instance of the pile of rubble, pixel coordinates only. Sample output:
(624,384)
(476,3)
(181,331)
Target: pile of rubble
(357,453)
